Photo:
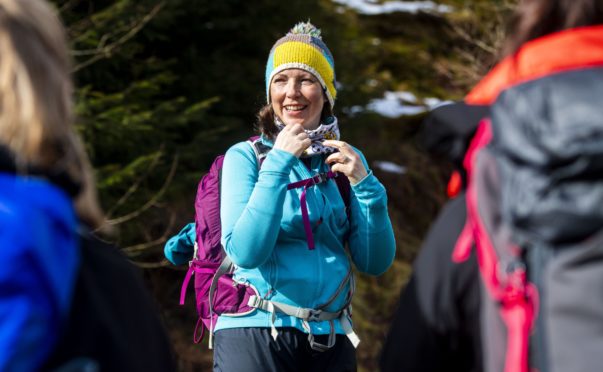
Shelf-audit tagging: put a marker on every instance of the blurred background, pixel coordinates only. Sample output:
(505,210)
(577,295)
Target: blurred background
(165,86)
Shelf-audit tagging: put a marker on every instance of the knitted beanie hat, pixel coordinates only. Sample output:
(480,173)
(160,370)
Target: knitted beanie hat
(303,48)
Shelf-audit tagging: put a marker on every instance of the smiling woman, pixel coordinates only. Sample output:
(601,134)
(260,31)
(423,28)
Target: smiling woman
(289,242)
(297,97)
(287,219)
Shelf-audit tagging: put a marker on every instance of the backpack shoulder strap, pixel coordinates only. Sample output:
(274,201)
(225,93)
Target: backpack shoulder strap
(260,150)
(505,279)
(345,189)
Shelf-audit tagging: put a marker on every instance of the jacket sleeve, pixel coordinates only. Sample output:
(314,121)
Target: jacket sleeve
(180,247)
(252,203)
(39,264)
(371,241)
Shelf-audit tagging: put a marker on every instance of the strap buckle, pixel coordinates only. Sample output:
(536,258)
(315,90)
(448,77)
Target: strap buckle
(255,302)
(314,315)
(317,178)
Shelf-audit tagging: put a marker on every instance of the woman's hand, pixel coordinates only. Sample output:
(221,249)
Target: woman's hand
(346,161)
(292,139)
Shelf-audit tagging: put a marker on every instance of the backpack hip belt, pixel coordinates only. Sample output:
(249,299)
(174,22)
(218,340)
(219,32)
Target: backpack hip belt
(314,315)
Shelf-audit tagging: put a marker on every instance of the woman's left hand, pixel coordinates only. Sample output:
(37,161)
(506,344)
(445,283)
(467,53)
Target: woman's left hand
(346,161)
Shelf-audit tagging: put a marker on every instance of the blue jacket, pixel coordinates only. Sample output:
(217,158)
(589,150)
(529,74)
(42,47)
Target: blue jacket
(263,233)
(40,257)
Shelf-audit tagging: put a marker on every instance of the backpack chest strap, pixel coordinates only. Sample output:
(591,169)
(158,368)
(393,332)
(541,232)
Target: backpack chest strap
(307,183)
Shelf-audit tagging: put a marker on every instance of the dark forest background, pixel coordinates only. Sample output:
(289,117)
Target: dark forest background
(165,86)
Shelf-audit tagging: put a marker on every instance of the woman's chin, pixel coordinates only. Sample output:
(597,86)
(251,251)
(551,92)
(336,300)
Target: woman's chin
(293,120)
(302,121)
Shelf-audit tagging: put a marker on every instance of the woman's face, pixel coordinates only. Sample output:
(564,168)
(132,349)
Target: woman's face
(297,98)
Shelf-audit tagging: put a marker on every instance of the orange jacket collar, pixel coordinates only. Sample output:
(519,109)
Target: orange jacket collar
(561,51)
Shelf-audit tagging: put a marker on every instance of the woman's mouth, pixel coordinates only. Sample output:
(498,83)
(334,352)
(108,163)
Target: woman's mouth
(294,108)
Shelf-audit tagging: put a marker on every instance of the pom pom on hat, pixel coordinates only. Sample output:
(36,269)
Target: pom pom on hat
(303,48)
(306,28)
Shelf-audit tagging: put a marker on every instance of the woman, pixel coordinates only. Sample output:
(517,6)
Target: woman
(297,260)
(66,298)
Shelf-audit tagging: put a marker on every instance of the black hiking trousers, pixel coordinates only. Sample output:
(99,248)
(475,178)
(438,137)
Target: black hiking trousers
(254,350)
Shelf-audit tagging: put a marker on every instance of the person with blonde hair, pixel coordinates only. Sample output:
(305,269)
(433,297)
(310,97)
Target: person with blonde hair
(64,295)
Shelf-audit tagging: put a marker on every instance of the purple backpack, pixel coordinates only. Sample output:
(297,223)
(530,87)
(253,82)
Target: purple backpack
(215,290)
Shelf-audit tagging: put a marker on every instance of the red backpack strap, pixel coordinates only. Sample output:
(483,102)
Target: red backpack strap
(464,244)
(508,286)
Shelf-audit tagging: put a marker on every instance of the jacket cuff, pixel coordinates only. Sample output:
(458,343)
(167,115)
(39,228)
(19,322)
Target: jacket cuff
(369,187)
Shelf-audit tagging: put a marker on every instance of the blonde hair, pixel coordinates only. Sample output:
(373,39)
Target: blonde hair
(36,108)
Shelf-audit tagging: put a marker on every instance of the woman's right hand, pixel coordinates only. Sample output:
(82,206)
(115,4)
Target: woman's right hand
(292,139)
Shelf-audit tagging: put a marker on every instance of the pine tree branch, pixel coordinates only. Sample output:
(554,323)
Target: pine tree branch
(133,250)
(153,265)
(103,51)
(151,202)
(68,5)
(135,185)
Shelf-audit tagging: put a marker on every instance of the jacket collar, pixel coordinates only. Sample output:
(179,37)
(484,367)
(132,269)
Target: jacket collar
(561,51)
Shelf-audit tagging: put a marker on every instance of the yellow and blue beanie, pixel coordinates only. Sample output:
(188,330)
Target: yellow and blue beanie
(303,48)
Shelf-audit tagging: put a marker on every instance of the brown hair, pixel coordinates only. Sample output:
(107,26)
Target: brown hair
(265,119)
(36,116)
(536,18)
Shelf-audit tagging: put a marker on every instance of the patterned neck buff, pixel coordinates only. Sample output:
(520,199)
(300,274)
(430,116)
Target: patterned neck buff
(327,130)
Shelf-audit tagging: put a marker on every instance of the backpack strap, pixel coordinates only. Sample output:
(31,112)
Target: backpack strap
(306,184)
(313,315)
(343,183)
(226,266)
(259,149)
(309,315)
(345,189)
(345,317)
(505,282)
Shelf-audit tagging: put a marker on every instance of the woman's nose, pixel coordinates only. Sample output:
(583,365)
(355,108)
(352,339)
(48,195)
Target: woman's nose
(292,89)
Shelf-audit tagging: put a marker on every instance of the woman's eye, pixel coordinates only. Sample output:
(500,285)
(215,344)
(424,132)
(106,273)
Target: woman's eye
(307,81)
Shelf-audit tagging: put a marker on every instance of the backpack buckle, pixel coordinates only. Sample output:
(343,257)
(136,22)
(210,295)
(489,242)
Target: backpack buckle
(255,302)
(319,178)
(314,315)
(316,179)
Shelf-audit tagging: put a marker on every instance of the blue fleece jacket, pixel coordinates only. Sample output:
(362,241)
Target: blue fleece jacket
(263,233)
(40,257)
